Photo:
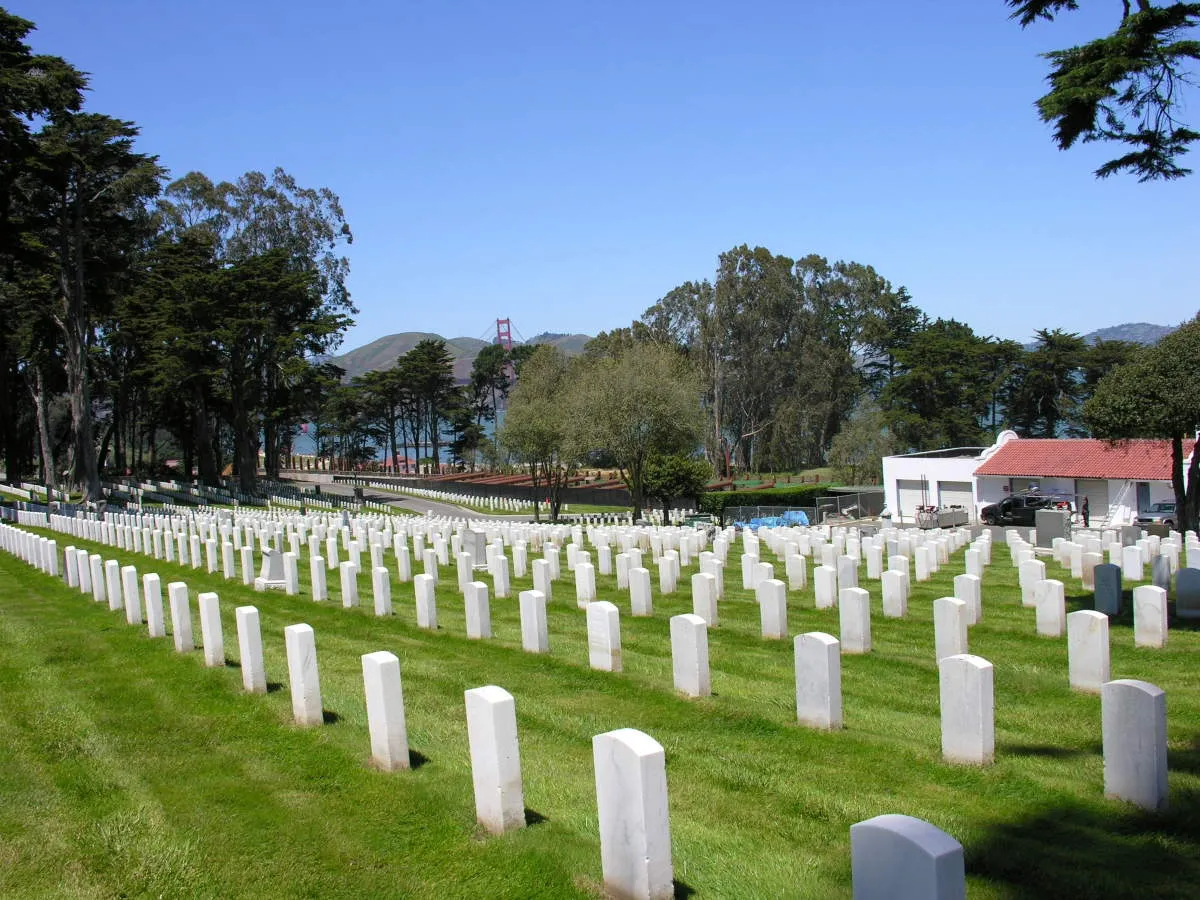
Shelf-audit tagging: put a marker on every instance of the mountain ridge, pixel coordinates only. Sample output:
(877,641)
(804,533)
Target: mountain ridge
(383,352)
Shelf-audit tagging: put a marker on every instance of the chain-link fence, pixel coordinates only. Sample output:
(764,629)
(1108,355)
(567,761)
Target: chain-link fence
(834,507)
(769,516)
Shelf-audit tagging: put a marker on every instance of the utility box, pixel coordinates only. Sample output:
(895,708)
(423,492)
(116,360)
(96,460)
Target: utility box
(1050,524)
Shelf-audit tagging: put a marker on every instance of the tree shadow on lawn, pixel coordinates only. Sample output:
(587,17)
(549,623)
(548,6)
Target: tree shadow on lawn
(1086,600)
(1047,751)
(1187,760)
(1112,851)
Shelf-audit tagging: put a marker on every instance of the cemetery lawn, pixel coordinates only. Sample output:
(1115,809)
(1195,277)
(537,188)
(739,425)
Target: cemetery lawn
(129,770)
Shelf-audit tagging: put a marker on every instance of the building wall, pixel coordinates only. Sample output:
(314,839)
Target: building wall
(914,468)
(990,489)
(1122,494)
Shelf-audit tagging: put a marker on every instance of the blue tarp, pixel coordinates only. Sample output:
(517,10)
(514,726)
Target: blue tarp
(791,517)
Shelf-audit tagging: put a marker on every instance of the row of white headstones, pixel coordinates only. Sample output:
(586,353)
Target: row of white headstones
(966,681)
(629,765)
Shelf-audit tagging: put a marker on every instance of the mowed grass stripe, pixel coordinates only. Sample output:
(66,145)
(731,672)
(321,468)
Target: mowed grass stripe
(759,806)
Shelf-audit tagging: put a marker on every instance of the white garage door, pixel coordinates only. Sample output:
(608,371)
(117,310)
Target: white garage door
(956,493)
(911,493)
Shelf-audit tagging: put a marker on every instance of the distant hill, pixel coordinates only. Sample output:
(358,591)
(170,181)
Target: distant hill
(383,352)
(1136,332)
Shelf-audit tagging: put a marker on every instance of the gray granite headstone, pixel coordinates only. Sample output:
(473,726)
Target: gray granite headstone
(1130,535)
(1187,594)
(1160,573)
(1108,589)
(1051,524)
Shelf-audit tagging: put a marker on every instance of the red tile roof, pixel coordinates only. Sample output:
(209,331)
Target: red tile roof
(1082,458)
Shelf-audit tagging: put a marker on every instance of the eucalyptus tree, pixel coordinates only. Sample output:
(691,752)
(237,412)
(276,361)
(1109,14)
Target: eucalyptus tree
(777,345)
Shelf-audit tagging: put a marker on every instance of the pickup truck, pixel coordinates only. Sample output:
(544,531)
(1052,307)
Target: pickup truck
(1020,509)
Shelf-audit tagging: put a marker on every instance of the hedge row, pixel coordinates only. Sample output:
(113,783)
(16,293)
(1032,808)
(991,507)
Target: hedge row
(716,502)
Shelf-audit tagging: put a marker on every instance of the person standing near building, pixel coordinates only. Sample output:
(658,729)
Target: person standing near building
(1087,516)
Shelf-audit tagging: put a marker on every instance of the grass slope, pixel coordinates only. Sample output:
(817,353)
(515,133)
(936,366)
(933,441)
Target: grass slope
(129,770)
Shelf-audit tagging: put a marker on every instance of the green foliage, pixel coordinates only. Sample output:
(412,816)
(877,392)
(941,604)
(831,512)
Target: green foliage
(537,430)
(83,197)
(857,451)
(676,475)
(1154,396)
(716,502)
(1128,87)
(490,383)
(1045,387)
(939,398)
(775,343)
(637,405)
(427,372)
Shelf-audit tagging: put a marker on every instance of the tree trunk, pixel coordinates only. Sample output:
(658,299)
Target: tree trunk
(1187,494)
(105,442)
(202,437)
(38,390)
(74,325)
(435,449)
(537,517)
(245,437)
(1191,517)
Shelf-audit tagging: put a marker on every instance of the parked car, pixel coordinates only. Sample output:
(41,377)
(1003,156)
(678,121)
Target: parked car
(1021,509)
(1158,514)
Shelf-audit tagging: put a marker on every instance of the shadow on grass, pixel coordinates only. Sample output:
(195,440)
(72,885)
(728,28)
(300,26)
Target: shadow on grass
(1187,760)
(533,817)
(273,686)
(683,890)
(416,759)
(1114,850)
(1087,600)
(1046,751)
(1178,624)
(330,717)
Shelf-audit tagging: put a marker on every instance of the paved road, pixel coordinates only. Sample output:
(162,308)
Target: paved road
(406,501)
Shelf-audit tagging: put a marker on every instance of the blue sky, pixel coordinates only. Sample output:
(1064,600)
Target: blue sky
(566,164)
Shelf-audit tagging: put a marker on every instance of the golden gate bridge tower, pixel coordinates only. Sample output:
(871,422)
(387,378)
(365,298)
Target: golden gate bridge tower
(504,333)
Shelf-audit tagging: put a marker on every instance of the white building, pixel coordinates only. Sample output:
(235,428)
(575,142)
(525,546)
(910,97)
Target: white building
(1117,480)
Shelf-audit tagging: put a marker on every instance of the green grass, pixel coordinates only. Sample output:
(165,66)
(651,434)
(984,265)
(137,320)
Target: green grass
(593,508)
(129,770)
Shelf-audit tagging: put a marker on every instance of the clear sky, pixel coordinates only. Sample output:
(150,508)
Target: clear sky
(567,163)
